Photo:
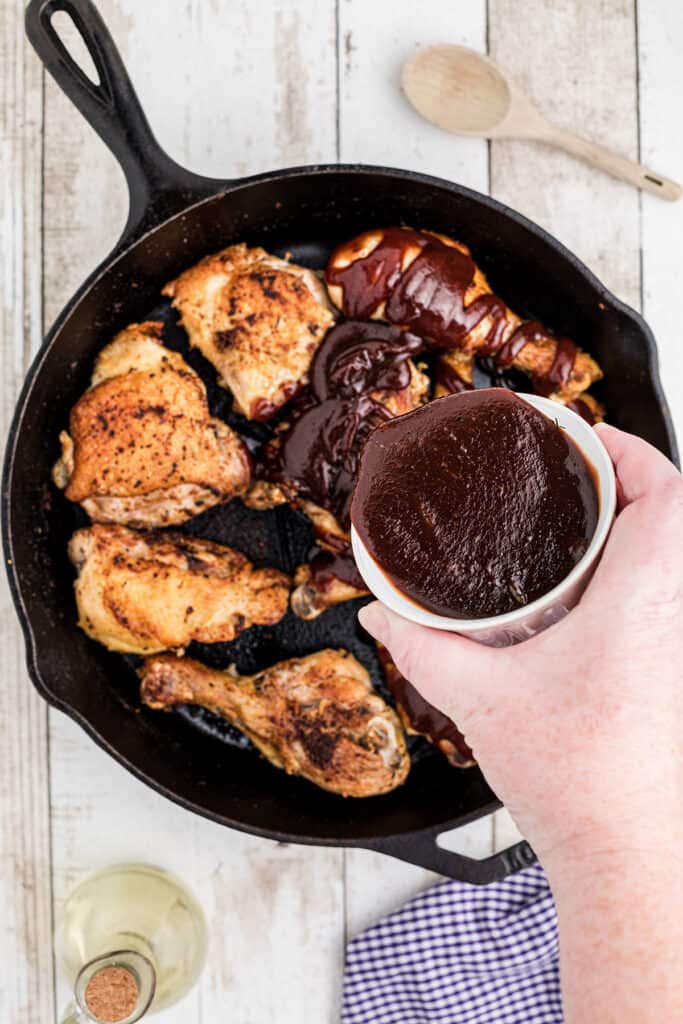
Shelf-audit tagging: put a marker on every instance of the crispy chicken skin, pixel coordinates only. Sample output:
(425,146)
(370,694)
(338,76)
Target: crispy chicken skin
(140,593)
(259,320)
(142,448)
(317,716)
(535,358)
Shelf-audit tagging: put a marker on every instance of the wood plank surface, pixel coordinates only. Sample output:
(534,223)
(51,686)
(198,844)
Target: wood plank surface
(577,59)
(233,89)
(376,123)
(25,869)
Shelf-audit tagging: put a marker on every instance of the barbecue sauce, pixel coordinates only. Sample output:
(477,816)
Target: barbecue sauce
(319,454)
(448,377)
(428,297)
(582,409)
(422,717)
(475,504)
(328,566)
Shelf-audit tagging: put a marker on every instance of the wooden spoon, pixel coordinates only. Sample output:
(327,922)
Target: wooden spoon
(465,92)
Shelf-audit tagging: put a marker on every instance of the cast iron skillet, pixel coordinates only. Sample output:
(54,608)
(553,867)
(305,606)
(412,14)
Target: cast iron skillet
(175,218)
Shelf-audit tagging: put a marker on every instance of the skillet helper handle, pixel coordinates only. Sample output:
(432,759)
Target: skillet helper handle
(158,186)
(422,849)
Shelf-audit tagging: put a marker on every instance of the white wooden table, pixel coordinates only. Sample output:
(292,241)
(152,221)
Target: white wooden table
(232,88)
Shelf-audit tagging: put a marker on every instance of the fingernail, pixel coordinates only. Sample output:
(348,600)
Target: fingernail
(373,618)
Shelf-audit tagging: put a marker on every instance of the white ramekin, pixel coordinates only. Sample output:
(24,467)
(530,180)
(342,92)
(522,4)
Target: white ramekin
(522,623)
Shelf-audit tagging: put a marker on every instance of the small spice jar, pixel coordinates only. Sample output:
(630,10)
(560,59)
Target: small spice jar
(117,988)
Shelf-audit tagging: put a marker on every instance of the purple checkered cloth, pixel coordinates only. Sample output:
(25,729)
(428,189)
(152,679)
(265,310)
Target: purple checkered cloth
(460,954)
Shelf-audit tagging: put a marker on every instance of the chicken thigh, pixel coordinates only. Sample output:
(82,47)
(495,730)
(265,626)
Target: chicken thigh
(142,448)
(140,593)
(258,319)
(317,716)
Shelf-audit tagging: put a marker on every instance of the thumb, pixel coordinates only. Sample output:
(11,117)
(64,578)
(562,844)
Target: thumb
(641,470)
(451,672)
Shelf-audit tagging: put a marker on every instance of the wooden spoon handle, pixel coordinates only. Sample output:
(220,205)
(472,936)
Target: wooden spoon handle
(611,162)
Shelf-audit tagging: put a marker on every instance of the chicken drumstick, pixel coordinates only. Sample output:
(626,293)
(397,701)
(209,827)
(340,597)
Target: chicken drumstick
(317,716)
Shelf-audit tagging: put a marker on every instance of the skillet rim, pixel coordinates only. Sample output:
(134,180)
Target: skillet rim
(122,249)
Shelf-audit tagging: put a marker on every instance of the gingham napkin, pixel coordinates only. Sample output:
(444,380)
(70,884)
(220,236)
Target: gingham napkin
(460,954)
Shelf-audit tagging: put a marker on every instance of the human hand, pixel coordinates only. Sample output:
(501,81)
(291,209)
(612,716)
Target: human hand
(579,729)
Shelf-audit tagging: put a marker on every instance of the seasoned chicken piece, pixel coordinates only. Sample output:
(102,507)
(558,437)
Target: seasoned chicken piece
(588,407)
(454,373)
(420,718)
(398,402)
(142,448)
(259,320)
(317,716)
(329,534)
(263,495)
(429,283)
(319,584)
(145,592)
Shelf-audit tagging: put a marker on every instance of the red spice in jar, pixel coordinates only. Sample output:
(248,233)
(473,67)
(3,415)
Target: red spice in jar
(112,994)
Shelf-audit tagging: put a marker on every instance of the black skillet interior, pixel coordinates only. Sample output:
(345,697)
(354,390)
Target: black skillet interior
(189,756)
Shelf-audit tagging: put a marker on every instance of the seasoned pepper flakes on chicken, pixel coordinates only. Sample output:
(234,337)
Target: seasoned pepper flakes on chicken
(146,592)
(258,319)
(142,448)
(317,716)
(429,283)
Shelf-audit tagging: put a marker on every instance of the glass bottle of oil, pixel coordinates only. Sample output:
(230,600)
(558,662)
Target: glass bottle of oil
(140,919)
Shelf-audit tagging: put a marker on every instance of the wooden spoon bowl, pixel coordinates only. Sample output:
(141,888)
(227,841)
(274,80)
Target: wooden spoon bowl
(466,93)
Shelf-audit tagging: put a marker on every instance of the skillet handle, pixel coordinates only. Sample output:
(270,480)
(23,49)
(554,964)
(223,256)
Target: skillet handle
(158,187)
(422,849)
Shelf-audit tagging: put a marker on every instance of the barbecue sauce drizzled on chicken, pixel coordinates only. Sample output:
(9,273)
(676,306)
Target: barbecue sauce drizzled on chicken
(328,566)
(428,297)
(475,504)
(422,717)
(582,409)
(319,454)
(449,378)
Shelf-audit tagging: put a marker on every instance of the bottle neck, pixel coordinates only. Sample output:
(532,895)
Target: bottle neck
(116,987)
